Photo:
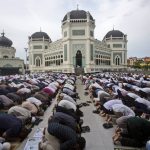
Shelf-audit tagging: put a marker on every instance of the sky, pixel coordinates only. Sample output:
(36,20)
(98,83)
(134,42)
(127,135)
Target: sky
(21,18)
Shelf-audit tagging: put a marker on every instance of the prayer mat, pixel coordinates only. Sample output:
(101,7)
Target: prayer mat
(33,142)
(38,133)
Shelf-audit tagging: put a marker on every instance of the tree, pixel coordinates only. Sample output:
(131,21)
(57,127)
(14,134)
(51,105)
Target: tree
(137,65)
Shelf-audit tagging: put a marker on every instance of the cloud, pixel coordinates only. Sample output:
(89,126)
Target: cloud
(128,14)
(144,3)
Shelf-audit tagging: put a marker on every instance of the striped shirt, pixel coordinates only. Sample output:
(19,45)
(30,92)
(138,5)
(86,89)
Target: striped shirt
(67,135)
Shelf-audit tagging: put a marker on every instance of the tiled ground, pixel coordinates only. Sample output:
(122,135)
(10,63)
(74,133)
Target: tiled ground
(98,138)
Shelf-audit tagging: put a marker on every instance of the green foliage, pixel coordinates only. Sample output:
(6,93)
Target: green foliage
(137,65)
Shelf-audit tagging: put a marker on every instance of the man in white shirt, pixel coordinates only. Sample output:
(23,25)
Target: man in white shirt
(133,95)
(101,94)
(69,92)
(122,113)
(109,105)
(66,97)
(34,100)
(107,108)
(69,86)
(68,105)
(123,110)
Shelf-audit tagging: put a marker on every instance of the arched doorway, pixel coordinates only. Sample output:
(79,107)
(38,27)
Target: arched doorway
(78,59)
(38,61)
(117,60)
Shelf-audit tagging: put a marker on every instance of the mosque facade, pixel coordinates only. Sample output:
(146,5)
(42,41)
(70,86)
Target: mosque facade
(9,64)
(77,49)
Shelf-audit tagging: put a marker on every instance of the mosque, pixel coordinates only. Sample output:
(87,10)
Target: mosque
(78,49)
(9,64)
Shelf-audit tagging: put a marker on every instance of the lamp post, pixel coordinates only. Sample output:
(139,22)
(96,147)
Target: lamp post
(26,49)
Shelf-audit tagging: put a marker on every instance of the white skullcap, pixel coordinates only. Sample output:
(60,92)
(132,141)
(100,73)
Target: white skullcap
(6,146)
(33,119)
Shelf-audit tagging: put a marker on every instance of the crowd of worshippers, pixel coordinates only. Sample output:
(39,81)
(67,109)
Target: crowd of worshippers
(64,128)
(23,98)
(124,100)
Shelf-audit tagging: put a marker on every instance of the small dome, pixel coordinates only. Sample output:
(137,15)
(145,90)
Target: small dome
(114,33)
(4,41)
(78,14)
(40,35)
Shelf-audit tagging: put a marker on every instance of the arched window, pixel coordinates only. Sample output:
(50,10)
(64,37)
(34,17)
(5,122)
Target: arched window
(117,60)
(5,56)
(38,62)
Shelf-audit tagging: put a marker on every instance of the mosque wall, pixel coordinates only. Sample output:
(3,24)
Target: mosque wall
(78,37)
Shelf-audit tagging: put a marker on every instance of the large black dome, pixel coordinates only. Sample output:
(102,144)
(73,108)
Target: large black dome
(4,41)
(78,14)
(39,35)
(114,33)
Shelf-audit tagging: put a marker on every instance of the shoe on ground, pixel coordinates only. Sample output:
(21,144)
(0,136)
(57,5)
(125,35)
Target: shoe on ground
(108,125)
(96,111)
(97,104)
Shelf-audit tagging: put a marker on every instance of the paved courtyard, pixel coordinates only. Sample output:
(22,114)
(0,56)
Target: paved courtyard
(98,137)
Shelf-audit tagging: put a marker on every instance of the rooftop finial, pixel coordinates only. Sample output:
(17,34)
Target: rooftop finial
(40,29)
(3,33)
(77,6)
(113,27)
